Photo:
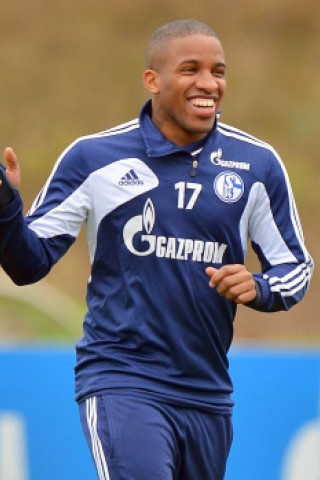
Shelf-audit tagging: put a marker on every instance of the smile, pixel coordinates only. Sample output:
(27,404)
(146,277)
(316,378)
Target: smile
(203,102)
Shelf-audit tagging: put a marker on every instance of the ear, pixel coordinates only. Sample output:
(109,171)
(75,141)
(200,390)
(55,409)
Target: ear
(151,81)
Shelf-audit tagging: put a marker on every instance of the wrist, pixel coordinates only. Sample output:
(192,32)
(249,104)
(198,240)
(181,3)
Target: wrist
(6,189)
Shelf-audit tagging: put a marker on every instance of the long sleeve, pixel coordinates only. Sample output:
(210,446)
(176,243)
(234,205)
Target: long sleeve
(31,245)
(277,239)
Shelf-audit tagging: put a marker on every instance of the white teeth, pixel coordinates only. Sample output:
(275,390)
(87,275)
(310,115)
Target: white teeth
(202,102)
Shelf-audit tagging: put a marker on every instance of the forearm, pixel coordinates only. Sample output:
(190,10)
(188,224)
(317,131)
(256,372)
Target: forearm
(282,287)
(22,254)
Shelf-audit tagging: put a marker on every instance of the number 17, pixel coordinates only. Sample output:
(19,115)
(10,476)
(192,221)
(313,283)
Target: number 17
(182,187)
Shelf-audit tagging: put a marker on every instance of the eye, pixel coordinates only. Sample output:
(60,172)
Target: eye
(189,69)
(220,73)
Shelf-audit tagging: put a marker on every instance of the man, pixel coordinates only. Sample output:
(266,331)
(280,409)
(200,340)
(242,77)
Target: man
(170,201)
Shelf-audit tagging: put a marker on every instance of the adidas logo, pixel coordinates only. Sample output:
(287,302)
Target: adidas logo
(130,178)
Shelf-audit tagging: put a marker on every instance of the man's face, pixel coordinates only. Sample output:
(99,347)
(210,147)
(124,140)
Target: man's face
(187,86)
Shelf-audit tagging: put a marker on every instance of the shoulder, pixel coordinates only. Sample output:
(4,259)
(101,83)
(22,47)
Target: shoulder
(92,145)
(231,132)
(88,153)
(116,132)
(261,151)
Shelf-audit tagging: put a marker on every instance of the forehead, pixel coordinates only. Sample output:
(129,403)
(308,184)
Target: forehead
(197,48)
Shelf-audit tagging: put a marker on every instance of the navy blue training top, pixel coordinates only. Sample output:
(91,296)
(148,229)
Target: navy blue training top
(156,216)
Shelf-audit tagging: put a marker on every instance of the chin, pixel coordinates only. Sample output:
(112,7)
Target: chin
(203,129)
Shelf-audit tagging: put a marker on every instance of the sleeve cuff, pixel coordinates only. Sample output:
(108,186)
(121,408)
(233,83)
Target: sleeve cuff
(255,303)
(11,210)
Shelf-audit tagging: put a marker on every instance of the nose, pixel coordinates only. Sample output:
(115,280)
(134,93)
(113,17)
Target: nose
(206,81)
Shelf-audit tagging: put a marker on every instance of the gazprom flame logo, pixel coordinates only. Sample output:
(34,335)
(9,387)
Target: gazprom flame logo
(148,216)
(137,232)
(139,224)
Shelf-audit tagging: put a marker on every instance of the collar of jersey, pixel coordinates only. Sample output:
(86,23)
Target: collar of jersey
(157,145)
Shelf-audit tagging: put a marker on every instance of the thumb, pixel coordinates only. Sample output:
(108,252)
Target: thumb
(10,158)
(12,167)
(210,271)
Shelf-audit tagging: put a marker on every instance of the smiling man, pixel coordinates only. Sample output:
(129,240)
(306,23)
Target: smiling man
(170,201)
(186,78)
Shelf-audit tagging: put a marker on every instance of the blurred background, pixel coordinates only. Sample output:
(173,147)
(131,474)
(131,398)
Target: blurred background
(73,68)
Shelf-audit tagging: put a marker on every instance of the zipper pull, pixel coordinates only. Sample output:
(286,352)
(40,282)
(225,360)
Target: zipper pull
(193,172)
